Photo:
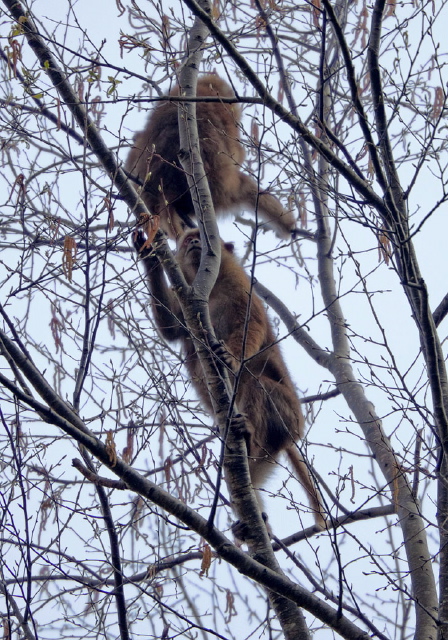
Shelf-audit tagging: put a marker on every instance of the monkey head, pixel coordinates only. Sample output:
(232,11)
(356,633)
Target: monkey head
(189,251)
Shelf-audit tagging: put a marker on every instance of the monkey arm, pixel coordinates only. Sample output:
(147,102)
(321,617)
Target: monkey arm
(165,306)
(268,206)
(166,309)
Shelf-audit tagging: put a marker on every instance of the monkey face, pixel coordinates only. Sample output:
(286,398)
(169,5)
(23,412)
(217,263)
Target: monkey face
(189,253)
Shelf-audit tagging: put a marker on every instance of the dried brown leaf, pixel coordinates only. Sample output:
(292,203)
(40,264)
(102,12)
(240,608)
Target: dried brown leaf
(6,629)
(216,10)
(206,560)
(390,8)
(19,182)
(316,12)
(128,451)
(111,448)
(150,226)
(439,103)
(68,256)
(384,247)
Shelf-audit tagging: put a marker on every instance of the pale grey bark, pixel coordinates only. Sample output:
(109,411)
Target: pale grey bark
(196,314)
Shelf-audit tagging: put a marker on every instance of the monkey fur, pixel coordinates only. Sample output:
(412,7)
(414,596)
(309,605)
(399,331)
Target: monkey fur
(154,159)
(265,394)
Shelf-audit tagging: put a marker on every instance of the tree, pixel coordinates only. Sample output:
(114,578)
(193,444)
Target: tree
(344,107)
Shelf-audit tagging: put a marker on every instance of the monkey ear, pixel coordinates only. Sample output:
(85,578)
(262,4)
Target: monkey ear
(229,246)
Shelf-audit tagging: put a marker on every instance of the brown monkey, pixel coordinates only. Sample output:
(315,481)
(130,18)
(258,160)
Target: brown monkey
(153,158)
(265,393)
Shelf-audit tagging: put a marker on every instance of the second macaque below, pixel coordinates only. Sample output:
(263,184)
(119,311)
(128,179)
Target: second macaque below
(265,394)
(154,159)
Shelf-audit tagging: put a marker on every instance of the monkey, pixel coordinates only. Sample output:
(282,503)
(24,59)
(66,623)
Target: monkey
(265,394)
(154,159)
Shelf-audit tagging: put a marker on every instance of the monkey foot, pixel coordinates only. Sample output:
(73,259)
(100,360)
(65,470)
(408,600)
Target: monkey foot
(239,425)
(220,350)
(241,530)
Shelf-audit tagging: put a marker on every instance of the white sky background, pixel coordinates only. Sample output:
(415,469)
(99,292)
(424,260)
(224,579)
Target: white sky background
(100,20)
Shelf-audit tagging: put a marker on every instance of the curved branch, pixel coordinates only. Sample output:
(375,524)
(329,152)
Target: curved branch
(441,311)
(74,427)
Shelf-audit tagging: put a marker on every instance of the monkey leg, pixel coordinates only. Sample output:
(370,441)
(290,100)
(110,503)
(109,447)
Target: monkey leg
(268,206)
(277,423)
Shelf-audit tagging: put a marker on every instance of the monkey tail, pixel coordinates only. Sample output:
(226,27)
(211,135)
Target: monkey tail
(307,482)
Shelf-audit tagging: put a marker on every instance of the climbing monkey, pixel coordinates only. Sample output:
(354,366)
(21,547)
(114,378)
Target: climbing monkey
(154,159)
(265,393)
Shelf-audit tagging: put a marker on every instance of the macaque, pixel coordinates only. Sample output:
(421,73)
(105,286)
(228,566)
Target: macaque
(154,159)
(265,394)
